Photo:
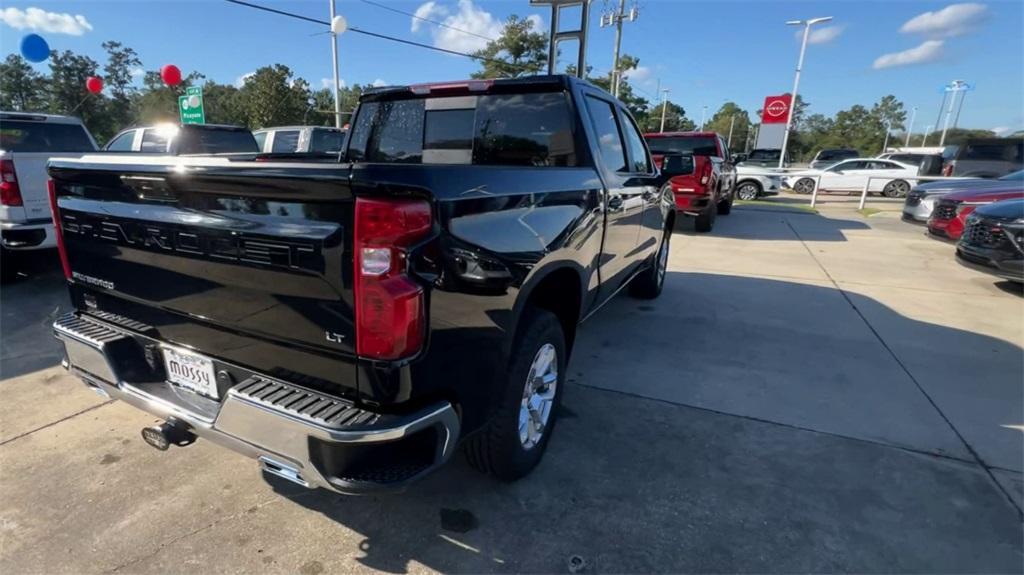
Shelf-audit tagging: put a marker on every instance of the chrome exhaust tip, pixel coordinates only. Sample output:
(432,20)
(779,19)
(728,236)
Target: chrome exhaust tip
(282,470)
(166,434)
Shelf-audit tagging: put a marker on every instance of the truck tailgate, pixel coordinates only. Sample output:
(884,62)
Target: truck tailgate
(246,262)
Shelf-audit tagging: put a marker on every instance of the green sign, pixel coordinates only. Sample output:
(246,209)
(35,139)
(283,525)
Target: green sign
(190,106)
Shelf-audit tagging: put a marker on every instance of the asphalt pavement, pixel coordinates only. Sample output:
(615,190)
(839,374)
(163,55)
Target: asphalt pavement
(812,392)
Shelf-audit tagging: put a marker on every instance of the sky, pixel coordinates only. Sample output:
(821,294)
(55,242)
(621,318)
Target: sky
(704,52)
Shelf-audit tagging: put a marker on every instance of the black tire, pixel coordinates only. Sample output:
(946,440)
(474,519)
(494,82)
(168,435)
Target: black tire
(705,222)
(804,186)
(896,189)
(497,449)
(725,206)
(748,190)
(649,283)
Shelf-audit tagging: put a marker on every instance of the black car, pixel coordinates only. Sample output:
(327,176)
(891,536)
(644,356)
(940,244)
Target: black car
(829,156)
(993,240)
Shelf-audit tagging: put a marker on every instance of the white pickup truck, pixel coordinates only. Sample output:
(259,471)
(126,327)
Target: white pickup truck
(27,141)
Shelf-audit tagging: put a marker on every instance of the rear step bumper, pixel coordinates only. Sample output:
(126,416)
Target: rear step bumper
(307,437)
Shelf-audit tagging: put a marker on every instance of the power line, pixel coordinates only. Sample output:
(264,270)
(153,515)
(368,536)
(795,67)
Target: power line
(421,18)
(377,35)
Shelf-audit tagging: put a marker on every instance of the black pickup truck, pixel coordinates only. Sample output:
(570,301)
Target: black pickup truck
(350,324)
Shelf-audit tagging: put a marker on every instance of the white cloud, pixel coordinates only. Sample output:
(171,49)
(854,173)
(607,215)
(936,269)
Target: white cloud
(467,27)
(953,20)
(638,74)
(138,72)
(43,21)
(325,83)
(928,51)
(379,83)
(822,35)
(240,81)
(1000,130)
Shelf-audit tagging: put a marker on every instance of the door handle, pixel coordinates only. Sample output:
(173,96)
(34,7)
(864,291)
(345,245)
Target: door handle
(615,203)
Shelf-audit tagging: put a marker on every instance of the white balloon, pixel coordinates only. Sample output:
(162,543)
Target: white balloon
(339,25)
(193,101)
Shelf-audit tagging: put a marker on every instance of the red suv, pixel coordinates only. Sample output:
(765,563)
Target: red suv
(950,213)
(704,186)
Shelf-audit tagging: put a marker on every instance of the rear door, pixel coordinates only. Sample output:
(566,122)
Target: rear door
(643,176)
(623,195)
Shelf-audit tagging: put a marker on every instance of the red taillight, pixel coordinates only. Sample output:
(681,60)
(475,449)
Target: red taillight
(947,170)
(58,230)
(389,304)
(10,193)
(705,176)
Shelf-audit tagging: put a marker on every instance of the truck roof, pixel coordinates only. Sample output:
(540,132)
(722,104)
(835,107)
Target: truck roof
(681,134)
(476,86)
(36,117)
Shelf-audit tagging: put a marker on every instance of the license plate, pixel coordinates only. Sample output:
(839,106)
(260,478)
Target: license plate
(191,371)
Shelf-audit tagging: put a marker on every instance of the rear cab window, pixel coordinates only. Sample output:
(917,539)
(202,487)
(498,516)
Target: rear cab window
(1008,151)
(323,140)
(696,145)
(285,141)
(28,136)
(521,129)
(206,140)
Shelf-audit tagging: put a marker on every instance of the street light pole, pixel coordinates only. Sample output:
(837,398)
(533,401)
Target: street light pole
(703,116)
(927,132)
(913,114)
(732,123)
(796,80)
(334,57)
(664,105)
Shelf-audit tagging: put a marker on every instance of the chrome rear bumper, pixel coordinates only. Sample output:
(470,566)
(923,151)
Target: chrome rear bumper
(305,436)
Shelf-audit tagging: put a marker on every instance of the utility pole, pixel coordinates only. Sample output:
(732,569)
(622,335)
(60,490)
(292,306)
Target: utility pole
(888,129)
(617,18)
(927,132)
(732,123)
(796,81)
(913,114)
(338,26)
(703,116)
(664,105)
(955,87)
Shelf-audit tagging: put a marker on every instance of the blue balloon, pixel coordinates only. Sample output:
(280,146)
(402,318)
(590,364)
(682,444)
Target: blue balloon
(34,48)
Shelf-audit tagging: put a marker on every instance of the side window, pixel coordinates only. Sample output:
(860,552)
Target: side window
(602,116)
(326,140)
(153,142)
(397,134)
(261,138)
(640,162)
(285,141)
(122,143)
(359,136)
(724,148)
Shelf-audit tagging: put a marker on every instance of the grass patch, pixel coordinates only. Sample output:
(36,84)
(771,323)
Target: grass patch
(868,212)
(768,204)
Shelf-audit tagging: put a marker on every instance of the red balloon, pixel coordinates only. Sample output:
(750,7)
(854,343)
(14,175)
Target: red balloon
(170,74)
(94,84)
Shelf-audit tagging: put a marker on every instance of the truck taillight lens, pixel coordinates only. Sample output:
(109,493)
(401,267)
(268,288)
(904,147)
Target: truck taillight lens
(10,193)
(389,304)
(705,176)
(58,230)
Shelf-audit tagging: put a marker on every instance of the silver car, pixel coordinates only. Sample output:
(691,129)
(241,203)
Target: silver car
(922,198)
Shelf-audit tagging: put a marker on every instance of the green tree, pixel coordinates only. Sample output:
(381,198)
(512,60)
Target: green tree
(270,97)
(117,77)
(675,119)
(730,115)
(519,51)
(889,111)
(637,105)
(21,88)
(68,72)
(158,102)
(222,104)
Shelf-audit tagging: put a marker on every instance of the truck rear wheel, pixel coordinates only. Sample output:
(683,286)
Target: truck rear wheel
(725,206)
(706,220)
(513,442)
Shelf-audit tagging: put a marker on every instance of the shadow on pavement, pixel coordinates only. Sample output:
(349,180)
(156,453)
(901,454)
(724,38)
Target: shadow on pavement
(29,305)
(633,484)
(810,226)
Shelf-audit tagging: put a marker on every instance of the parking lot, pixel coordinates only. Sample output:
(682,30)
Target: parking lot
(812,392)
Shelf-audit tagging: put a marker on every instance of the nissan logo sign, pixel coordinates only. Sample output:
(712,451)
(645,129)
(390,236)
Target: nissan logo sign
(776,108)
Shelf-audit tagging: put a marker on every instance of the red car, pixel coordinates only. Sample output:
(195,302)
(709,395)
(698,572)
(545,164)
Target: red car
(950,213)
(702,173)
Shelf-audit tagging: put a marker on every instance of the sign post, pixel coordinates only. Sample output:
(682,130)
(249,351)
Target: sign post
(190,106)
(774,116)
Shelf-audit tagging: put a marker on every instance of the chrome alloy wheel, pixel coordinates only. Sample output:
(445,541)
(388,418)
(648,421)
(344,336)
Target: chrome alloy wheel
(538,396)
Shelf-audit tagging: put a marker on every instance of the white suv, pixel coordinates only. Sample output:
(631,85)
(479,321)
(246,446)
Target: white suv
(27,142)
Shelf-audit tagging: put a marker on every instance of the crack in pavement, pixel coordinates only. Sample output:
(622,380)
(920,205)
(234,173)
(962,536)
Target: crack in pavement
(892,353)
(52,423)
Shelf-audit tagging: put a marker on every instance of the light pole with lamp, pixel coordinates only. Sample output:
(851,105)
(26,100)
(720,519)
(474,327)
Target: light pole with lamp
(703,116)
(796,81)
(664,105)
(913,114)
(338,27)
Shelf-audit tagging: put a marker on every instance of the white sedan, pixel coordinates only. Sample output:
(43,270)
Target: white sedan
(753,182)
(891,179)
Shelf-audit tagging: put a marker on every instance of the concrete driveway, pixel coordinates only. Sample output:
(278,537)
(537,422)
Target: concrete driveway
(811,393)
